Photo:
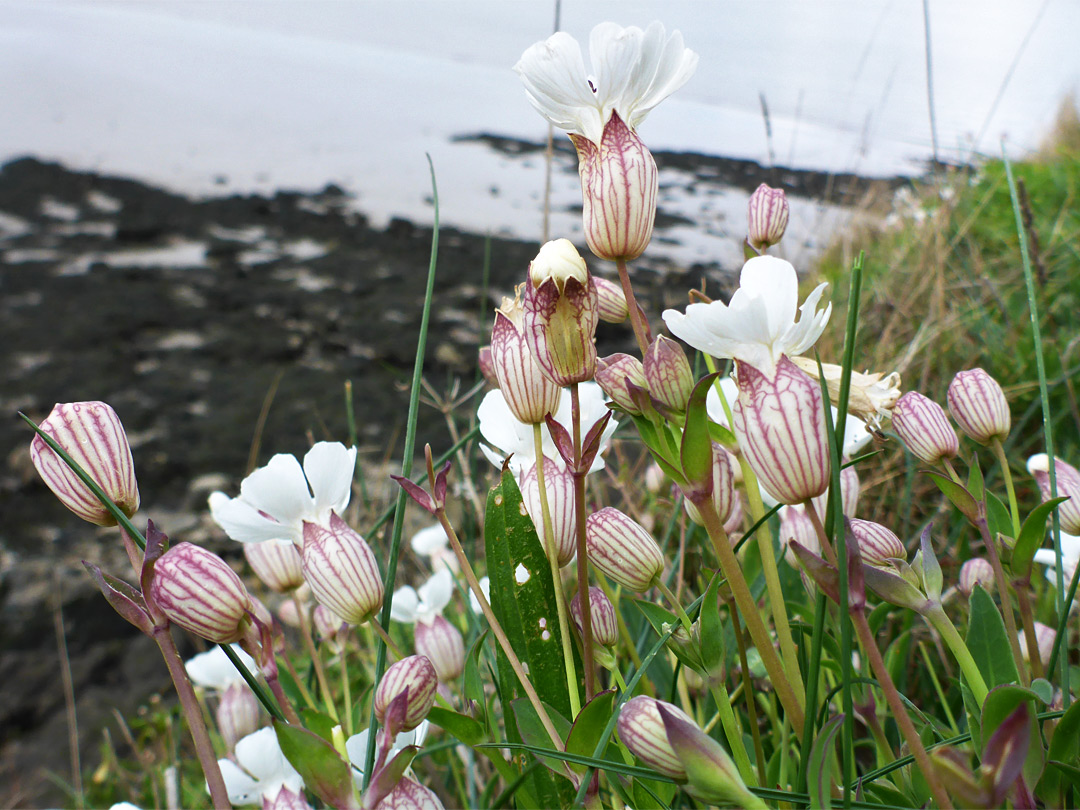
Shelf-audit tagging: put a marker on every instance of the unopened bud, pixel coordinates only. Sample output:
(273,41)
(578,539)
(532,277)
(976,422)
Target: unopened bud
(91,433)
(327,625)
(443,645)
(641,729)
(559,485)
(276,563)
(877,544)
(415,676)
(1067,479)
(237,713)
(612,301)
(198,590)
(975,571)
(342,570)
(723,487)
(410,795)
(924,428)
(528,392)
(487,366)
(1044,641)
(622,549)
(767,213)
(979,407)
(605,624)
(668,374)
(612,374)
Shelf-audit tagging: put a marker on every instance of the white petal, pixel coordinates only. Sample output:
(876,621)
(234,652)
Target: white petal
(356,748)
(430,541)
(713,406)
(800,337)
(775,284)
(329,467)
(246,524)
(856,436)
(673,67)
(240,787)
(485,588)
(405,605)
(213,669)
(615,53)
(556,84)
(435,594)
(260,754)
(280,490)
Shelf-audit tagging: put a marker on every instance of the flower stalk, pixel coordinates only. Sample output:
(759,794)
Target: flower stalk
(637,319)
(582,555)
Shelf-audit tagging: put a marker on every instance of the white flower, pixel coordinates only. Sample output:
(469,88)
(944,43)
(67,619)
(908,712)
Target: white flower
(423,604)
(485,587)
(356,747)
(758,326)
(1070,558)
(502,429)
(433,543)
(213,669)
(275,500)
(632,72)
(260,770)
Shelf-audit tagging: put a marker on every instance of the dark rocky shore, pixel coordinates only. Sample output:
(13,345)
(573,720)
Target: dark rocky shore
(183,314)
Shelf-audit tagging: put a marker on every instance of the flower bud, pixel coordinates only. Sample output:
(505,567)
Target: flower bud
(410,795)
(277,564)
(795,524)
(529,393)
(415,676)
(734,523)
(443,645)
(622,549)
(849,494)
(198,590)
(876,543)
(978,405)
(327,625)
(975,571)
(487,366)
(342,571)
(559,483)
(924,428)
(286,799)
(605,625)
(1044,640)
(767,215)
(641,729)
(611,300)
(91,433)
(1067,479)
(619,183)
(780,426)
(668,373)
(612,374)
(723,487)
(237,713)
(560,313)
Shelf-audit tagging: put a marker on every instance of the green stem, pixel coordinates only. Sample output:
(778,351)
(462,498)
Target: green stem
(732,732)
(556,577)
(1006,602)
(316,661)
(748,692)
(937,688)
(346,691)
(940,621)
(1003,462)
(674,600)
(1027,619)
(582,554)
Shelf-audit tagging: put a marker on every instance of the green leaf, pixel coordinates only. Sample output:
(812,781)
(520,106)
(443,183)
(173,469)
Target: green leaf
(590,724)
(471,680)
(325,773)
(465,728)
(1064,750)
(958,495)
(1044,690)
(975,478)
(1070,772)
(533,732)
(687,652)
(998,519)
(659,447)
(1002,702)
(1031,537)
(820,772)
(988,642)
(695,451)
(712,631)
(319,723)
(721,435)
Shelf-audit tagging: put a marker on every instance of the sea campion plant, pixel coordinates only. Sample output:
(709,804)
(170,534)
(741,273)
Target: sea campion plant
(725,628)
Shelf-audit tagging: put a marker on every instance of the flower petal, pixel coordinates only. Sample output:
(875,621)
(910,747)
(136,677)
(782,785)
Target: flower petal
(246,524)
(429,541)
(329,468)
(280,490)
(405,605)
(435,593)
(556,84)
(240,787)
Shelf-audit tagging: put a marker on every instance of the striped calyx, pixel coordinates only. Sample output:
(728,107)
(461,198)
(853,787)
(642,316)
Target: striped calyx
(1067,479)
(410,795)
(276,563)
(619,182)
(237,713)
(441,643)
(605,625)
(767,215)
(559,484)
(641,729)
(668,373)
(877,544)
(924,428)
(327,625)
(723,487)
(414,676)
(529,393)
(487,366)
(622,549)
(1044,641)
(615,373)
(978,405)
(91,433)
(611,300)
(341,570)
(561,310)
(975,571)
(198,590)
(780,425)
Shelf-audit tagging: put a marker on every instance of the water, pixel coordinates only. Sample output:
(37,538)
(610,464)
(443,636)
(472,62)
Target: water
(216,98)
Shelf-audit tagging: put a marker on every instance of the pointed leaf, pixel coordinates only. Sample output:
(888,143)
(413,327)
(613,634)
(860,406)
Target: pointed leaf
(824,575)
(712,631)
(975,478)
(1064,751)
(123,600)
(1007,749)
(325,773)
(388,776)
(563,443)
(590,724)
(417,493)
(465,728)
(1031,537)
(931,569)
(988,641)
(820,770)
(319,723)
(590,445)
(533,732)
(695,452)
(998,519)
(958,495)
